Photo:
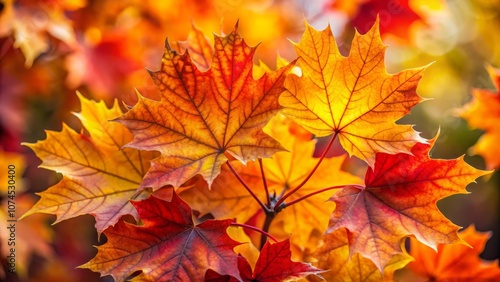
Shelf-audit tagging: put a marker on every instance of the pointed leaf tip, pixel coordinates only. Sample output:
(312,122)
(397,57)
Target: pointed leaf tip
(167,45)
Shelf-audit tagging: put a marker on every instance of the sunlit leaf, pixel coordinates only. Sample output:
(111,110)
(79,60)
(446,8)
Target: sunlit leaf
(353,97)
(202,116)
(99,177)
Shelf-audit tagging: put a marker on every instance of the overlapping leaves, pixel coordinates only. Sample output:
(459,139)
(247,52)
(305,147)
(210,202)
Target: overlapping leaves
(228,198)
(211,110)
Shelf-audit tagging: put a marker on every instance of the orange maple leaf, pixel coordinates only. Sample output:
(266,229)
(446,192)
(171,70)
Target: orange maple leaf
(99,178)
(399,199)
(333,256)
(167,247)
(204,115)
(484,112)
(352,97)
(454,262)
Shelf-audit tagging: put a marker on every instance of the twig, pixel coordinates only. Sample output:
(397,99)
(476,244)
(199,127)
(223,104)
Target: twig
(266,209)
(282,199)
(264,233)
(265,183)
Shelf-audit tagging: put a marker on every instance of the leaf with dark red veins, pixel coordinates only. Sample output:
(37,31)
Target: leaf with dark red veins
(204,115)
(399,200)
(274,264)
(167,247)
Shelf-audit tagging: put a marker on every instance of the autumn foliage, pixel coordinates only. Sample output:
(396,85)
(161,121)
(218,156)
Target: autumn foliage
(218,176)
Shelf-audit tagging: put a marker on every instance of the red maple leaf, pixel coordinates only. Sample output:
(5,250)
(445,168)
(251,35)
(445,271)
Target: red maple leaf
(273,265)
(398,200)
(167,247)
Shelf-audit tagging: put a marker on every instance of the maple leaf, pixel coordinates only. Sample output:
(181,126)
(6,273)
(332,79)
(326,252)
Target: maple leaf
(274,265)
(399,199)
(352,96)
(333,255)
(454,262)
(228,199)
(204,115)
(484,112)
(99,178)
(167,247)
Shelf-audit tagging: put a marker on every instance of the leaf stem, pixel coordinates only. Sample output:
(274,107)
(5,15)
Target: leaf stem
(266,209)
(264,233)
(265,183)
(289,193)
(265,228)
(316,192)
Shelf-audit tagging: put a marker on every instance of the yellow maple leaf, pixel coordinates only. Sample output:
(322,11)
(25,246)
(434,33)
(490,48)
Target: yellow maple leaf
(352,97)
(99,178)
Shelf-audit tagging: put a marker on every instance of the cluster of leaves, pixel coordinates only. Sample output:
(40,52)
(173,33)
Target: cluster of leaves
(223,164)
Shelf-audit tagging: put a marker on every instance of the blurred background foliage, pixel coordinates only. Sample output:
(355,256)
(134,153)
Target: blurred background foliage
(51,48)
